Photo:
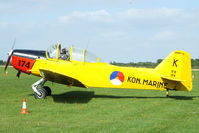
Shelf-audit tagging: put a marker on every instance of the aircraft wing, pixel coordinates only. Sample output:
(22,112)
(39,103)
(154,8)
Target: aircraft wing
(61,78)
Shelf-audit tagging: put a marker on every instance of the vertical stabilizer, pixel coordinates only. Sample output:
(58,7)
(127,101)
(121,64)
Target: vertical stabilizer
(177,67)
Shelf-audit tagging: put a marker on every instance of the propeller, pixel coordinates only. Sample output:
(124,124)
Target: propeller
(9,56)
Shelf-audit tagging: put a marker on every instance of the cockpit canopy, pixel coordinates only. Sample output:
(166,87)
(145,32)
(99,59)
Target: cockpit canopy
(76,54)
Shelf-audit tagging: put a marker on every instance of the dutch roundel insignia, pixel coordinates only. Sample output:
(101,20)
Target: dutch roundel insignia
(117,78)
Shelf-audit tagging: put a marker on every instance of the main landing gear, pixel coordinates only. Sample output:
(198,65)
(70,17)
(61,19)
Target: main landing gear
(167,92)
(43,91)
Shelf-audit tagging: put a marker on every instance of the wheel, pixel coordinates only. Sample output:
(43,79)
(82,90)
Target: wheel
(48,90)
(42,96)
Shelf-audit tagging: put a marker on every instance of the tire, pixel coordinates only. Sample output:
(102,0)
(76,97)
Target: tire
(48,90)
(42,96)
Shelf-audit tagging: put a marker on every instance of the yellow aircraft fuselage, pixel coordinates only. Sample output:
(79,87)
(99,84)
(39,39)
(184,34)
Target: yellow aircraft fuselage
(99,74)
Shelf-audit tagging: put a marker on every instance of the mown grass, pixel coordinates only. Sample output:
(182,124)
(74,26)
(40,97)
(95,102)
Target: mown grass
(72,109)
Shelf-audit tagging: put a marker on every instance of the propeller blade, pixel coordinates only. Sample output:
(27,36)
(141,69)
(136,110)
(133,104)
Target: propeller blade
(13,45)
(7,63)
(9,56)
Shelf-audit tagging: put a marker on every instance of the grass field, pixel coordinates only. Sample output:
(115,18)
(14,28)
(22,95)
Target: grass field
(94,110)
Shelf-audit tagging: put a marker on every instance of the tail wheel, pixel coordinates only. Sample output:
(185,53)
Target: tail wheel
(42,92)
(48,90)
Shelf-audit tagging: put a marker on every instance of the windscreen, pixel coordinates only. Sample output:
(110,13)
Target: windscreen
(52,51)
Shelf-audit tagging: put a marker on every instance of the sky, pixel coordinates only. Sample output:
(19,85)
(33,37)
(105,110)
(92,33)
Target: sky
(115,30)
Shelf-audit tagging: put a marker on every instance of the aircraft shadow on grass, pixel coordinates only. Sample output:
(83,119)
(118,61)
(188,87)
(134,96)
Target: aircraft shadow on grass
(86,96)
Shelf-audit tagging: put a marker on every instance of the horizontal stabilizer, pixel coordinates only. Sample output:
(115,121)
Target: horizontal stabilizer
(173,79)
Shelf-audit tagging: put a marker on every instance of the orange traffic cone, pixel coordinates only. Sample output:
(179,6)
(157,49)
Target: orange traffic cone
(24,110)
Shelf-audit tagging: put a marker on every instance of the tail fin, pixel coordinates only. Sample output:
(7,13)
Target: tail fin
(177,67)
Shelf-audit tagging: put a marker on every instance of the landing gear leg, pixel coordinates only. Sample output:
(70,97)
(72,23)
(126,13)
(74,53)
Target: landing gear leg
(167,92)
(42,92)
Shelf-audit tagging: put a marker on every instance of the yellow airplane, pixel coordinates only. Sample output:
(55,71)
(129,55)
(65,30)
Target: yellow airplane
(83,69)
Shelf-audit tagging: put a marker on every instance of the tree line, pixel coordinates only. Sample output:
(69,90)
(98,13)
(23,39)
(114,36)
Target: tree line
(2,62)
(194,63)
